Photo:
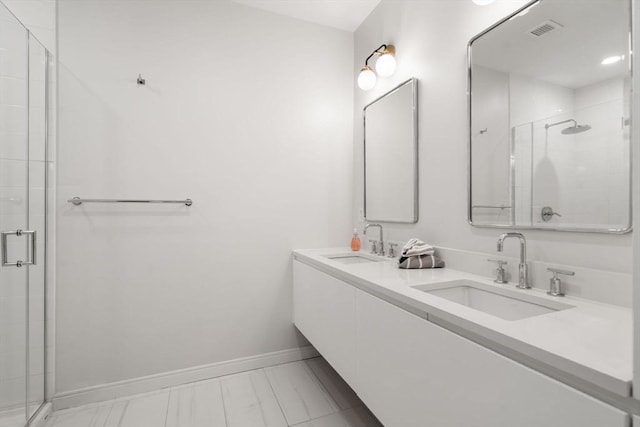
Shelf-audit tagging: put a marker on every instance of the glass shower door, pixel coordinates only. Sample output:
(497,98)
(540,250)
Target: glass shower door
(36,221)
(22,221)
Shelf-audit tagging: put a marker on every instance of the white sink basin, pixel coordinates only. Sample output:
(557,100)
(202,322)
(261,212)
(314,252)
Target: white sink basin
(503,303)
(353,258)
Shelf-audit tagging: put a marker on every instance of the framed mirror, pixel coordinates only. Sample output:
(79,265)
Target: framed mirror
(391,156)
(549,118)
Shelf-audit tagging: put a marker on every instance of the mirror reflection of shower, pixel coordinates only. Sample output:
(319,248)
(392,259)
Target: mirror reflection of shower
(571,130)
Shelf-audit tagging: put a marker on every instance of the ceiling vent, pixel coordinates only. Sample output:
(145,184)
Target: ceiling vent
(544,28)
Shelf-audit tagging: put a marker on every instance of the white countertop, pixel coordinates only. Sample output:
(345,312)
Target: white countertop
(591,341)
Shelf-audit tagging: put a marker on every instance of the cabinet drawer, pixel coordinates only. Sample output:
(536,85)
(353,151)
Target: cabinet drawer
(411,372)
(324,311)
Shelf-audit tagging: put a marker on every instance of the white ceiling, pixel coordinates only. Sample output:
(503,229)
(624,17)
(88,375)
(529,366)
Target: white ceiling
(569,56)
(343,14)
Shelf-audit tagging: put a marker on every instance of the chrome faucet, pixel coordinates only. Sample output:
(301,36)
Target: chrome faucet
(381,247)
(523,270)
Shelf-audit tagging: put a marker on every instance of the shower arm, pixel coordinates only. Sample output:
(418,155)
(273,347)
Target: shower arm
(547,126)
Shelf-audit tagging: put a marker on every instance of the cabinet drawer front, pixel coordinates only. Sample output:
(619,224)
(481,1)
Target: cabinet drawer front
(324,311)
(414,373)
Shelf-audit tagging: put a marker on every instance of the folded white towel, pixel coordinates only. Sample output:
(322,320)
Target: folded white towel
(416,247)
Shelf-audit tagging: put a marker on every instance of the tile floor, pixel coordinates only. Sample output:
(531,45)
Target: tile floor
(307,393)
(15,417)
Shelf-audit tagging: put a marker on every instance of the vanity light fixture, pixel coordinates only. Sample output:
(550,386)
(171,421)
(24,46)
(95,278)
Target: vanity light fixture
(612,59)
(385,66)
(482,2)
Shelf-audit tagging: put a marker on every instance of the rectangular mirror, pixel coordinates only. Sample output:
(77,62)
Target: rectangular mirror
(391,156)
(549,106)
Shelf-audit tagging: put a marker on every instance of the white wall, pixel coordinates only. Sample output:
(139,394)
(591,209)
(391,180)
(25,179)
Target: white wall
(431,39)
(246,112)
(491,136)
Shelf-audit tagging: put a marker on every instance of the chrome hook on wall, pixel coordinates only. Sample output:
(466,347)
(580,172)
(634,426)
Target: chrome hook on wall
(140,80)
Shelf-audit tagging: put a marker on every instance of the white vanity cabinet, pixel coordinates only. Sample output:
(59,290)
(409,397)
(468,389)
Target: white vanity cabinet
(324,311)
(412,372)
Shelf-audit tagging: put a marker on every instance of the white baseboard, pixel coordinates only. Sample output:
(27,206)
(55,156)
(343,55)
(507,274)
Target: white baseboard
(183,376)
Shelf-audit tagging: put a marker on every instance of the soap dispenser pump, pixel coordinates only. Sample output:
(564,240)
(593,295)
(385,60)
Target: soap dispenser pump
(355,241)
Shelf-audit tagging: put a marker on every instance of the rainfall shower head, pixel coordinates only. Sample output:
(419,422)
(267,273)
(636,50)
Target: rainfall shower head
(571,130)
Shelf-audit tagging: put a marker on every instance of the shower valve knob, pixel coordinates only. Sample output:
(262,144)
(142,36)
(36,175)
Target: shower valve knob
(547,213)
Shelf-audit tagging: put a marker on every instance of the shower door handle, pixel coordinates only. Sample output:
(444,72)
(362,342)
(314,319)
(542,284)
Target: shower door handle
(31,260)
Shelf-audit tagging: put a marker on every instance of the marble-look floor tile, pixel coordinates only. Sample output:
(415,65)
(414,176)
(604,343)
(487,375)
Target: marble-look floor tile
(299,392)
(196,405)
(354,417)
(145,411)
(250,402)
(308,393)
(148,410)
(12,418)
(337,388)
(116,412)
(89,416)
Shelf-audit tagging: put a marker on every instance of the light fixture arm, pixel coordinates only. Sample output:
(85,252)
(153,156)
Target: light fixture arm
(379,51)
(547,126)
(384,46)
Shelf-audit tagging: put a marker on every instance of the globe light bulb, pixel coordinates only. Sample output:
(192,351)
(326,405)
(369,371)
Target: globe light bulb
(386,65)
(366,78)
(482,2)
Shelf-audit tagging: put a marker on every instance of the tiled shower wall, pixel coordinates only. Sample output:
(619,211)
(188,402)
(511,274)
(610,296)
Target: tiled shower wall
(39,16)
(13,206)
(569,170)
(584,177)
(17,124)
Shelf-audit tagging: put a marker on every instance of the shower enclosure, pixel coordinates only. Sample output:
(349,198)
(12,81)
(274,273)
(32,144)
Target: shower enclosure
(573,169)
(24,65)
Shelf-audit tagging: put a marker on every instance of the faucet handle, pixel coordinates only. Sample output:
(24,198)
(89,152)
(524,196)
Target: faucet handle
(500,271)
(374,246)
(557,271)
(555,284)
(392,250)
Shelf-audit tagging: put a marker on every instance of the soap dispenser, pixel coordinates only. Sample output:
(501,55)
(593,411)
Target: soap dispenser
(355,241)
